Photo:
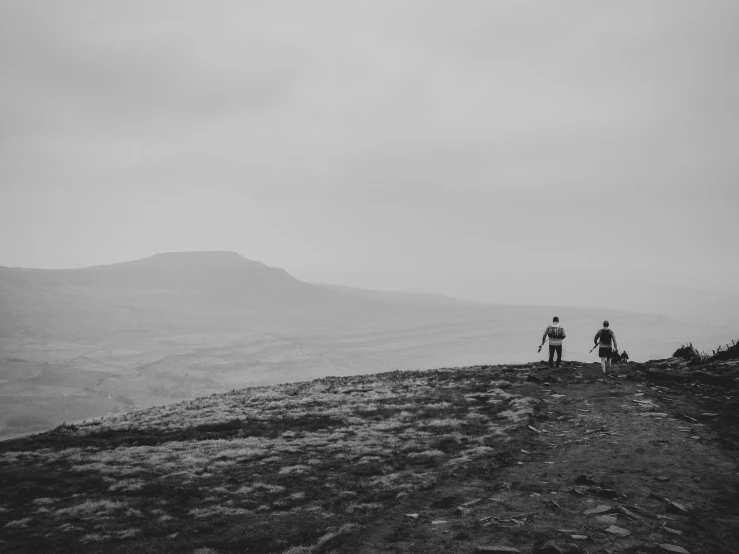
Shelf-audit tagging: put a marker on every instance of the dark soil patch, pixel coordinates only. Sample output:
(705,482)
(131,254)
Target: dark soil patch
(67,437)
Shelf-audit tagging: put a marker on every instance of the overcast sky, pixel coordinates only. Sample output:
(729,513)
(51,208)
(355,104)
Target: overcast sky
(492,150)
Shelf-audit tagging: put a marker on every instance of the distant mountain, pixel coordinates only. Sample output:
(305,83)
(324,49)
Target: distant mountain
(188,291)
(217,274)
(194,291)
(185,290)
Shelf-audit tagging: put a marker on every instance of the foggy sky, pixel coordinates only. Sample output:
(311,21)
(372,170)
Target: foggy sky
(507,151)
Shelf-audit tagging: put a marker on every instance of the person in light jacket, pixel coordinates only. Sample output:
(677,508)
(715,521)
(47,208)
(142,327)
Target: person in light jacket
(556,334)
(605,339)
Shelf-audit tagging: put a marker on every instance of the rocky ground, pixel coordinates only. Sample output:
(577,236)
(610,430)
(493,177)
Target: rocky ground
(642,462)
(481,459)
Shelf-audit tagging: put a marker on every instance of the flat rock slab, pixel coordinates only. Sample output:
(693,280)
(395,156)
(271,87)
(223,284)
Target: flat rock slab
(608,520)
(677,508)
(628,513)
(604,493)
(482,549)
(620,531)
(602,509)
(673,548)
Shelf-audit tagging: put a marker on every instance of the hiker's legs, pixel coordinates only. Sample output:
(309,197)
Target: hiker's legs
(558,350)
(605,363)
(551,355)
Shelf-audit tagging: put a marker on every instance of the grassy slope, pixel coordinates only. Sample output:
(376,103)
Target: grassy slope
(334,465)
(258,470)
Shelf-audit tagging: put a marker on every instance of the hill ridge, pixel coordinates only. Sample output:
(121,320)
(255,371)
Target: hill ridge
(192,256)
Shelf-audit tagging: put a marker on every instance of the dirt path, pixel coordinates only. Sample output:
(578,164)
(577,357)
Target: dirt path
(664,472)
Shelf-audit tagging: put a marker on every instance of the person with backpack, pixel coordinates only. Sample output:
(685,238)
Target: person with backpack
(556,333)
(605,339)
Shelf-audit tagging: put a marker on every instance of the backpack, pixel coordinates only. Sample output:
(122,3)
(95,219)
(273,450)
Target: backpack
(555,332)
